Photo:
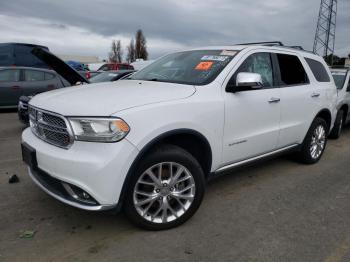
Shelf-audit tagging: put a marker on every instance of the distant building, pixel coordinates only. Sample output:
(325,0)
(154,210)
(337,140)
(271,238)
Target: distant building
(80,58)
(347,62)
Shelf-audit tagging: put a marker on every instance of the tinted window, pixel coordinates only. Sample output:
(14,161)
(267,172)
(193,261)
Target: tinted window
(259,63)
(24,57)
(196,67)
(9,75)
(318,70)
(123,67)
(103,68)
(292,71)
(49,76)
(339,79)
(6,55)
(33,75)
(103,77)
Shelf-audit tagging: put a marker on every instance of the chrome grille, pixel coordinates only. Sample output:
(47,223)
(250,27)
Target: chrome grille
(50,127)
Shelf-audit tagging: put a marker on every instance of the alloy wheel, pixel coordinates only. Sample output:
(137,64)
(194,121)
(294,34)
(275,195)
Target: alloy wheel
(164,192)
(318,142)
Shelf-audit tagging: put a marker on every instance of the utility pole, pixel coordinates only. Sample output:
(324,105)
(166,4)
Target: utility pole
(325,31)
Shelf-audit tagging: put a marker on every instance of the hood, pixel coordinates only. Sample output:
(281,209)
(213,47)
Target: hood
(63,69)
(104,99)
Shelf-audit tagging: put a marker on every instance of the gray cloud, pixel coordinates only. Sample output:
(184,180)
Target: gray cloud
(187,23)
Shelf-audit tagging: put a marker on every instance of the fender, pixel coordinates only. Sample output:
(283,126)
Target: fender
(148,146)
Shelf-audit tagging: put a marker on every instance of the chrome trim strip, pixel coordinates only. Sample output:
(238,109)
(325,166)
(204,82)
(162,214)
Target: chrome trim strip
(246,161)
(71,203)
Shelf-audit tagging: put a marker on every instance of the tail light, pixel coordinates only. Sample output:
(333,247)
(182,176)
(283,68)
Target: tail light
(87,75)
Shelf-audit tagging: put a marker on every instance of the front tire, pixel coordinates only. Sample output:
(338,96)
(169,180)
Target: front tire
(166,189)
(315,142)
(338,125)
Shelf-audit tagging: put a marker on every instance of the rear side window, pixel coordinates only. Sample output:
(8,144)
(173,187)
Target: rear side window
(318,70)
(292,71)
(9,75)
(123,67)
(34,75)
(49,76)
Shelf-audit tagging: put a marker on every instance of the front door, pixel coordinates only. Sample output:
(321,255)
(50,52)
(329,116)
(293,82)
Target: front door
(252,117)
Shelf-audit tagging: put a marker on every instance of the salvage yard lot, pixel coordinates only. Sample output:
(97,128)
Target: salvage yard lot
(277,210)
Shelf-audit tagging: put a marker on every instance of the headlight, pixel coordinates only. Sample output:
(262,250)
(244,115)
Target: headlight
(99,129)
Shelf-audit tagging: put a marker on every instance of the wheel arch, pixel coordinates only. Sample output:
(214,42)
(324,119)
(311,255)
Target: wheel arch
(345,108)
(188,139)
(327,116)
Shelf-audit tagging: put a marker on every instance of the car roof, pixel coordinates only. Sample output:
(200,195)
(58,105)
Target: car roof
(26,44)
(241,47)
(117,71)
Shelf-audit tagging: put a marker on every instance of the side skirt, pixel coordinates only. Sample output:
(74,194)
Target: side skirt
(223,170)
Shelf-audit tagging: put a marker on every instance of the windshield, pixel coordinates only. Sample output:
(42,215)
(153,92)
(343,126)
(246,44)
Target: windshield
(339,78)
(198,67)
(103,77)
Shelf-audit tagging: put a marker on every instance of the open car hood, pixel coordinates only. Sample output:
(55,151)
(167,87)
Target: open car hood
(64,70)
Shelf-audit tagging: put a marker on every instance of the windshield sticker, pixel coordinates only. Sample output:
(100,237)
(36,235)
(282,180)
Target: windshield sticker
(214,58)
(203,66)
(228,52)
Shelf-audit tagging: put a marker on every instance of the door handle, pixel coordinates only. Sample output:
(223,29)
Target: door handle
(274,100)
(15,87)
(314,95)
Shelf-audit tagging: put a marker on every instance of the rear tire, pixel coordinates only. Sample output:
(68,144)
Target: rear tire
(338,125)
(315,142)
(166,189)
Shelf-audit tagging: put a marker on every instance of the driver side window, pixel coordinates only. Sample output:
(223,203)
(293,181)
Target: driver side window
(259,63)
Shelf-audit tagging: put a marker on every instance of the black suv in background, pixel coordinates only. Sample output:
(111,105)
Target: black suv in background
(19,54)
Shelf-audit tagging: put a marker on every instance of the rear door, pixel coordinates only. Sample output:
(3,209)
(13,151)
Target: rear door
(34,82)
(10,87)
(299,98)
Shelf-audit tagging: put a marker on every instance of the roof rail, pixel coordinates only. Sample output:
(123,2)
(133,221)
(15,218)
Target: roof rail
(269,43)
(278,43)
(299,47)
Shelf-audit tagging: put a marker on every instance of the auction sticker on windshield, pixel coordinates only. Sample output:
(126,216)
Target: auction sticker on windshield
(214,58)
(228,53)
(203,66)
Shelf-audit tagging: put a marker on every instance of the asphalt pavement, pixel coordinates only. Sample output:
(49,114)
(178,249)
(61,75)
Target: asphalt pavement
(277,210)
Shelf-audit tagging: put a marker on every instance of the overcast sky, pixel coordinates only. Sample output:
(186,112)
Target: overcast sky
(87,27)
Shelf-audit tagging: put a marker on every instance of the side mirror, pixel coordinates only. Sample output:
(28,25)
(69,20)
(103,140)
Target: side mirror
(245,82)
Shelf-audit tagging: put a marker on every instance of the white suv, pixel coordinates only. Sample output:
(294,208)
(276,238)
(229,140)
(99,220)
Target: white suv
(342,81)
(149,143)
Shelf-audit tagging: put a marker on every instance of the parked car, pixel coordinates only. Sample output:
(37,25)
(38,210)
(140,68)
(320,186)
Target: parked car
(19,81)
(140,63)
(18,54)
(115,66)
(95,73)
(81,68)
(110,76)
(341,78)
(149,143)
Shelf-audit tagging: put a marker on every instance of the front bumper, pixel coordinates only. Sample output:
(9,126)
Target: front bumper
(99,169)
(23,113)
